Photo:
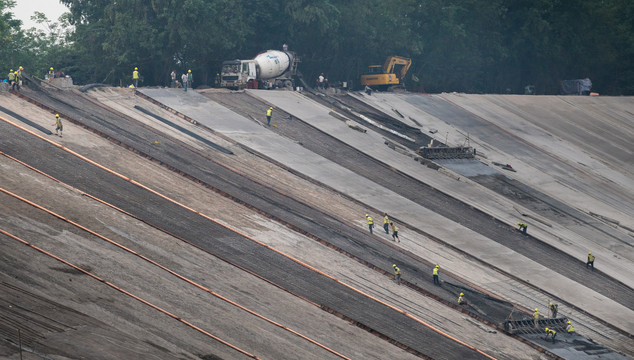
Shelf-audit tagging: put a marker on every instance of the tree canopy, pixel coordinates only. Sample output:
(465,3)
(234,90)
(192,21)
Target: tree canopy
(496,46)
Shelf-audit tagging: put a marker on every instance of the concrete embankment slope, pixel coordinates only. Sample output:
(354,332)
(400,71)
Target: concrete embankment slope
(294,156)
(581,179)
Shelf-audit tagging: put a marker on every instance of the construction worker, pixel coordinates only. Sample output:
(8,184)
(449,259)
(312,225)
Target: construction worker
(550,332)
(16,81)
(190,79)
(395,233)
(135,77)
(590,261)
(553,310)
(397,274)
(536,317)
(461,300)
(11,78)
(369,221)
(184,81)
(269,112)
(435,275)
(386,223)
(570,329)
(522,227)
(59,127)
(51,73)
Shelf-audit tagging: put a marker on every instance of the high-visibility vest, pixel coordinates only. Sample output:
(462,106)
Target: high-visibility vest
(551,332)
(570,328)
(536,315)
(135,74)
(460,300)
(394,228)
(370,222)
(269,112)
(590,257)
(435,272)
(386,220)
(11,76)
(397,271)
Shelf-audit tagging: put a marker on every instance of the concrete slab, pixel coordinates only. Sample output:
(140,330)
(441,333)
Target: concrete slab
(296,157)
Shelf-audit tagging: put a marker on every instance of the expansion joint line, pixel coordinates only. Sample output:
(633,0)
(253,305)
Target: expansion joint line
(125,292)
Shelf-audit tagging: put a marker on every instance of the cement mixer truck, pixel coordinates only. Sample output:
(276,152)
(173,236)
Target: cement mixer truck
(270,69)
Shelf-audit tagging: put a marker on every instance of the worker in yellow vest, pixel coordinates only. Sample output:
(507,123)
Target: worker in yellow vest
(570,329)
(11,78)
(522,227)
(369,221)
(435,275)
(51,73)
(397,274)
(536,317)
(590,261)
(386,223)
(135,77)
(59,127)
(269,112)
(461,300)
(552,333)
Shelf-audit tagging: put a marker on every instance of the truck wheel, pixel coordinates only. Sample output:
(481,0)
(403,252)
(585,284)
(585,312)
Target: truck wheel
(288,84)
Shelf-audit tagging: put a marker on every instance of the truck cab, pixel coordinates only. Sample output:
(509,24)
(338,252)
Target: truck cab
(239,74)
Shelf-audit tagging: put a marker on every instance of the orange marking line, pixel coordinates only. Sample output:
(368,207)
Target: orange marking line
(145,302)
(252,239)
(181,277)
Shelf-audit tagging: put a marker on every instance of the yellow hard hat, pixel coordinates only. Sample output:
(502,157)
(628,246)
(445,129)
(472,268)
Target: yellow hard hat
(51,68)
(366,215)
(589,253)
(461,294)
(136,68)
(11,70)
(56,115)
(189,71)
(550,303)
(437,266)
(536,309)
(568,321)
(21,68)
(546,329)
(394,265)
(271,108)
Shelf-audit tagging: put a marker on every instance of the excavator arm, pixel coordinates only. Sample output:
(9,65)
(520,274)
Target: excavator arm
(397,65)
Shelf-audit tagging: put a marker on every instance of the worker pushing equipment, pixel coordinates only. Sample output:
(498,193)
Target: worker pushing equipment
(370,222)
(522,227)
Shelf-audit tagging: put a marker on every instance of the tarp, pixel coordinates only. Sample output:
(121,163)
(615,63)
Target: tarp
(576,87)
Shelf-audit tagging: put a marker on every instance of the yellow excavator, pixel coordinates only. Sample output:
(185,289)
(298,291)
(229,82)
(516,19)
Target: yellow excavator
(391,73)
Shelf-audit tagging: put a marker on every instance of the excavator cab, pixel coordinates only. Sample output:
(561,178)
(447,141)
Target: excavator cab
(391,73)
